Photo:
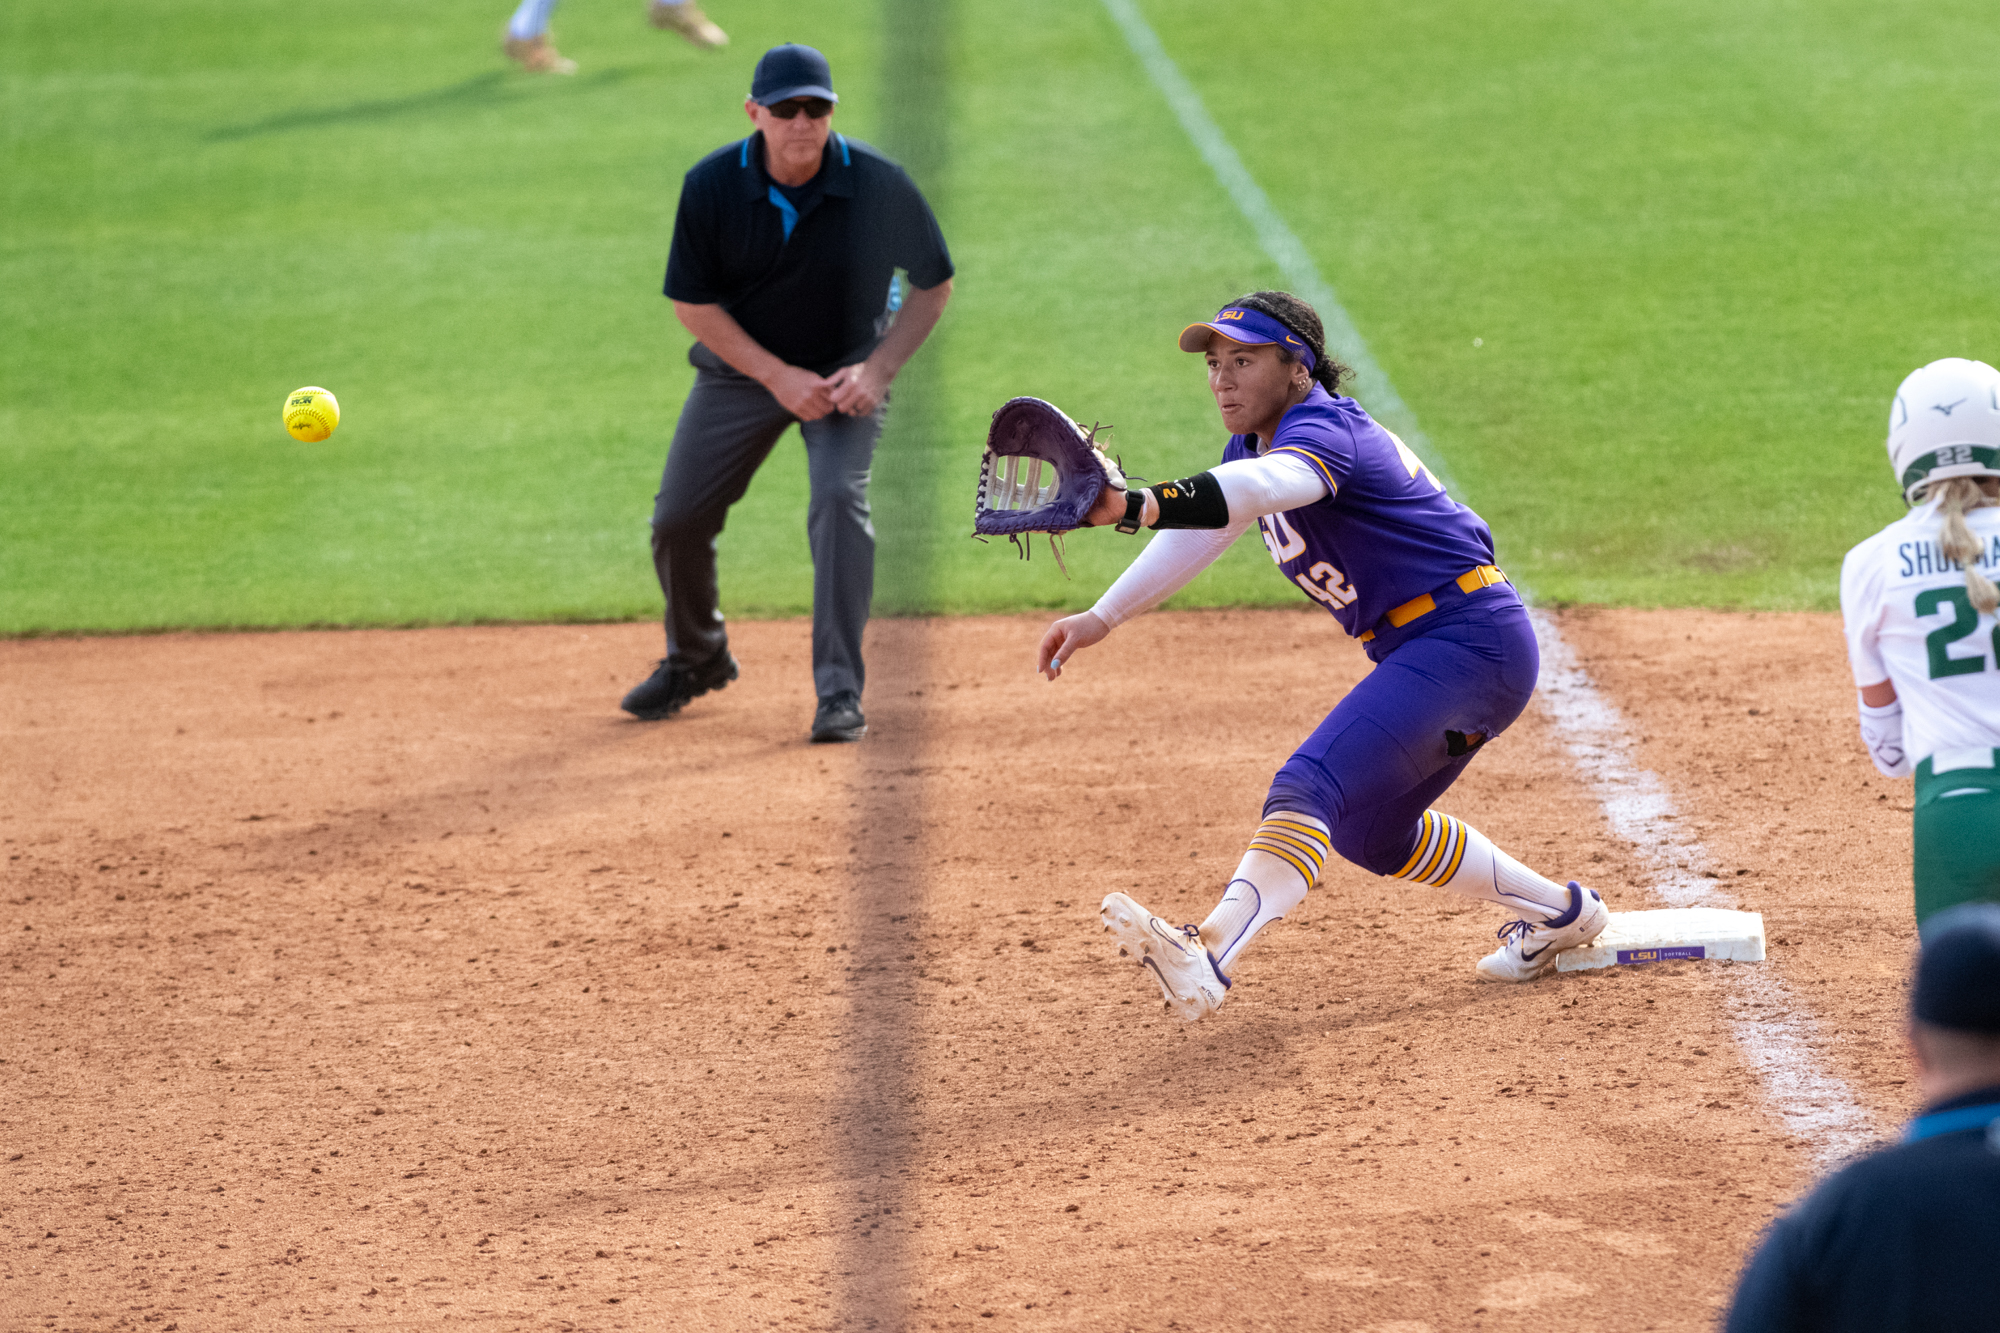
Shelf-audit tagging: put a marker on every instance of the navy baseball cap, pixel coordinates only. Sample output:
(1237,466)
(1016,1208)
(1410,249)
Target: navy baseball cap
(1958,972)
(1251,327)
(789,71)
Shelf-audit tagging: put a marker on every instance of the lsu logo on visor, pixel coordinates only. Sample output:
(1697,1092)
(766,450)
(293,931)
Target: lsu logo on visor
(1230,314)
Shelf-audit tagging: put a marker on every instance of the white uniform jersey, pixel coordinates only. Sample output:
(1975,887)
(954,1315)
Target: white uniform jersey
(1910,622)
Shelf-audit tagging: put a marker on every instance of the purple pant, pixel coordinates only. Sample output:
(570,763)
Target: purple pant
(1383,755)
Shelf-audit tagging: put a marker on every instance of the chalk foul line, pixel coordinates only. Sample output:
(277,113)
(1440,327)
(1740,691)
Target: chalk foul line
(1776,1031)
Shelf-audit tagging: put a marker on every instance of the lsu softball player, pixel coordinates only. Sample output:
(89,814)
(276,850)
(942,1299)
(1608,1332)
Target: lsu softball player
(1918,600)
(1352,516)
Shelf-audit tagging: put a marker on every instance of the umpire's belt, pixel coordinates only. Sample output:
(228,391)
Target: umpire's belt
(1471,581)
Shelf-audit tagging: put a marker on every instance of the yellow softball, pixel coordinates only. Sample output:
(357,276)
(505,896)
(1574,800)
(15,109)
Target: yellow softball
(311,414)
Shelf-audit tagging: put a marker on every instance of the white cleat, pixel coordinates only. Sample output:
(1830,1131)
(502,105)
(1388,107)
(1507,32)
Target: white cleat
(1178,960)
(1529,948)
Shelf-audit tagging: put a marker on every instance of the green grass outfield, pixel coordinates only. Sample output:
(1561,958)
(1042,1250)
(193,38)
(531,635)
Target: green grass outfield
(1699,243)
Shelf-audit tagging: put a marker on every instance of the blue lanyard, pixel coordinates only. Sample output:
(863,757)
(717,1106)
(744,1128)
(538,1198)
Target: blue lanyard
(1950,1122)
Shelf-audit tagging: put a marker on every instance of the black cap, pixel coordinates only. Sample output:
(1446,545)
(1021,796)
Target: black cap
(791,70)
(1958,972)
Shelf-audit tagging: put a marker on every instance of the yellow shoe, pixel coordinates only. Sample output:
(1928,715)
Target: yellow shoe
(537,55)
(687,19)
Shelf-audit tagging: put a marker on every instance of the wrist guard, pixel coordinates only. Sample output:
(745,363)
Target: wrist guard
(1192,502)
(1882,733)
(1135,506)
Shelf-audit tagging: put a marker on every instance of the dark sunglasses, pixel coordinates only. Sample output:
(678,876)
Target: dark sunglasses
(818,108)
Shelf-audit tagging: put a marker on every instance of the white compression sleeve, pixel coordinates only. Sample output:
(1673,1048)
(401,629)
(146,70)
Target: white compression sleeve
(1169,562)
(531,19)
(1253,487)
(1882,733)
(1272,484)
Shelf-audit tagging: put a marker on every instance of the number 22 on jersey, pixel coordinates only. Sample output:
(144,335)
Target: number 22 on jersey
(1322,582)
(1964,620)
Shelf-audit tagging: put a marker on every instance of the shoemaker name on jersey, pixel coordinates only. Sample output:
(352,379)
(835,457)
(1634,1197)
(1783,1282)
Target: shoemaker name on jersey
(1929,558)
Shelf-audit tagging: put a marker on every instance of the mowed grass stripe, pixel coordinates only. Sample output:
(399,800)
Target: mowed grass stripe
(212,205)
(1088,233)
(1701,243)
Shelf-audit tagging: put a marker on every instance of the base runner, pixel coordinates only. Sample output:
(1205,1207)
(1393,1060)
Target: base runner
(1352,516)
(1918,600)
(529,44)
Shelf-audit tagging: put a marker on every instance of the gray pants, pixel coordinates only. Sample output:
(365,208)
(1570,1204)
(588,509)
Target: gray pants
(727,429)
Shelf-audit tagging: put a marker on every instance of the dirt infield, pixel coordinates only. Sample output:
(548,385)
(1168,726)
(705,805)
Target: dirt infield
(383,980)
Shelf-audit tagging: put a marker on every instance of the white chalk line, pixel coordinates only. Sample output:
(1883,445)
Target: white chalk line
(1343,339)
(1776,1032)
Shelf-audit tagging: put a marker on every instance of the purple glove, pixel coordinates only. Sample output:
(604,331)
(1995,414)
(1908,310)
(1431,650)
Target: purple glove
(1042,472)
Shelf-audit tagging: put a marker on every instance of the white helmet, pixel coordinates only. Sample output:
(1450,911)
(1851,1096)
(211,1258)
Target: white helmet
(1944,423)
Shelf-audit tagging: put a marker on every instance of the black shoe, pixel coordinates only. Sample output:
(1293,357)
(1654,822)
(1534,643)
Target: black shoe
(669,688)
(839,719)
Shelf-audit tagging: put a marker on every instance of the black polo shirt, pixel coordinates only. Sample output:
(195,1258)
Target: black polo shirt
(1906,1240)
(805,271)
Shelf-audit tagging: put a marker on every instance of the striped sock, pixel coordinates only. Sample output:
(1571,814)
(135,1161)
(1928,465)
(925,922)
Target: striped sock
(1283,861)
(1451,854)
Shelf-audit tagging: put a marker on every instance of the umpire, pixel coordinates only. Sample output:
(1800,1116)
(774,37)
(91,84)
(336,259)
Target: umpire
(784,250)
(1908,1238)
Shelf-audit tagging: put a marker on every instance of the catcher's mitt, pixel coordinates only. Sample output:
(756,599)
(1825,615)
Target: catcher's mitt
(1042,473)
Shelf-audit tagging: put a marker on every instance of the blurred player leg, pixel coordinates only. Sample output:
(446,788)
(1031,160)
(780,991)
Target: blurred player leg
(725,432)
(839,452)
(527,41)
(685,17)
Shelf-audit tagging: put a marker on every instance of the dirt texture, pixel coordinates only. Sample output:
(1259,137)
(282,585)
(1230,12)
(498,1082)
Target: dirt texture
(383,980)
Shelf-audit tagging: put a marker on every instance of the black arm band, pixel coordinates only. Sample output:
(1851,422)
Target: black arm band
(1192,502)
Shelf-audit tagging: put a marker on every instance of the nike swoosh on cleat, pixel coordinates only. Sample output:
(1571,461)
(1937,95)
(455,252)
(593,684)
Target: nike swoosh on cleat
(1527,957)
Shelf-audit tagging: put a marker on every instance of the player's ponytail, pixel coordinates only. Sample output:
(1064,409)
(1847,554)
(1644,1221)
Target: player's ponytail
(1955,497)
(1302,320)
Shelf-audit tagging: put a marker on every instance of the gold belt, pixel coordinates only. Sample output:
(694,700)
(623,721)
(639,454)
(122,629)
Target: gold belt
(1471,581)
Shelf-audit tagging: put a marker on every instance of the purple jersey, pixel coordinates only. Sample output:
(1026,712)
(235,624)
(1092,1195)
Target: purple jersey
(1385,533)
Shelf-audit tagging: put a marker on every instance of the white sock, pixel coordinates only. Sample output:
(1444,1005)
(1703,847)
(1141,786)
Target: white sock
(1454,855)
(531,19)
(1284,860)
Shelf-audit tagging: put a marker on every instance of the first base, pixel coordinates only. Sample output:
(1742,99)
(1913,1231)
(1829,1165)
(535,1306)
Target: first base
(1670,933)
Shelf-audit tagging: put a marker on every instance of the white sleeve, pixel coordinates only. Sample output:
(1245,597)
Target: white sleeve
(1272,484)
(1861,610)
(1169,562)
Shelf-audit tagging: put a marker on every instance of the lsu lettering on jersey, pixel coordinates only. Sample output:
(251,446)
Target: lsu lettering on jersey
(1386,531)
(1910,622)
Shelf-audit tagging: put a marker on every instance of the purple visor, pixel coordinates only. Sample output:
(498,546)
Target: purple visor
(1252,327)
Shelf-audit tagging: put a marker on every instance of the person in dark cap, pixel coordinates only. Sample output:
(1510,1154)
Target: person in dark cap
(783,266)
(1907,1240)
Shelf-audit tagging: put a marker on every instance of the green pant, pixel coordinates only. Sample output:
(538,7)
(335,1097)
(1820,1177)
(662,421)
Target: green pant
(1957,837)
